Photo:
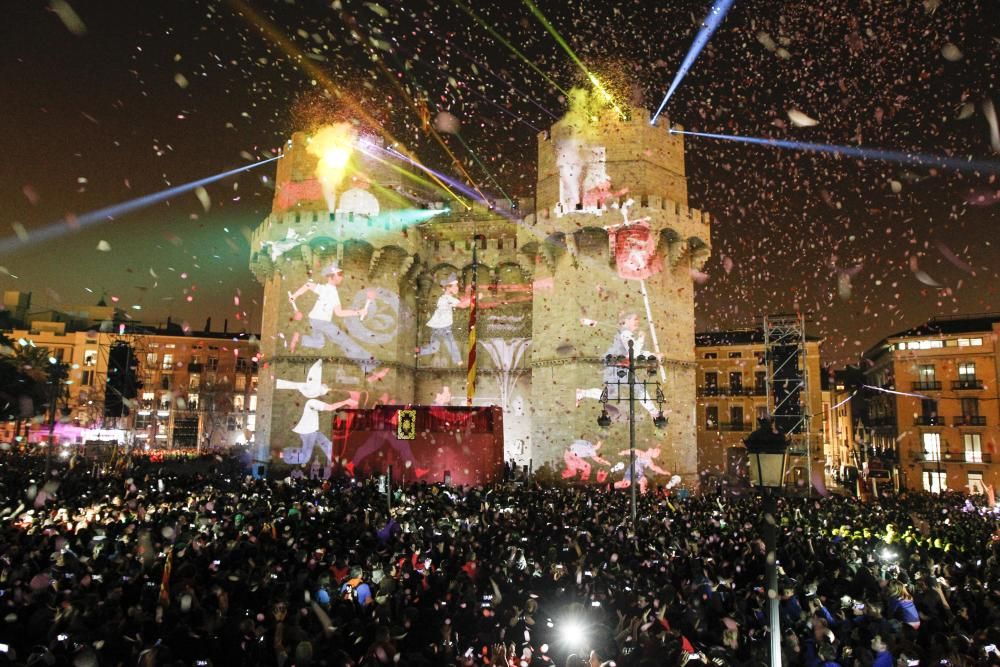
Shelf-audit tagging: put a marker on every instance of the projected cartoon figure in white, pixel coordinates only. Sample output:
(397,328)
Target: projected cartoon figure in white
(644,459)
(321,318)
(441,321)
(628,331)
(576,458)
(308,425)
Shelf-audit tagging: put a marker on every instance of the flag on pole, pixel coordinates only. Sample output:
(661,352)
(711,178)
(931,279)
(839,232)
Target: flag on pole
(165,582)
(470,381)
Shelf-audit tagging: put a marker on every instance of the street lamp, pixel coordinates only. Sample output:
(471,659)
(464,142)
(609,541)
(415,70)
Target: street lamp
(768,455)
(624,369)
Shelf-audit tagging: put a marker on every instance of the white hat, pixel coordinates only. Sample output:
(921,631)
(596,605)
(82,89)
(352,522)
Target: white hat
(452,278)
(333,268)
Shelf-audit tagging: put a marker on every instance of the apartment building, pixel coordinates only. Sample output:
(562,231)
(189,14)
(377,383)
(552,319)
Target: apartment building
(197,390)
(934,403)
(732,397)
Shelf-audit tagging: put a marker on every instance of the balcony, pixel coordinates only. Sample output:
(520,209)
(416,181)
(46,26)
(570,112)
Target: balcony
(970,420)
(927,385)
(966,384)
(971,456)
(731,391)
(736,426)
(928,420)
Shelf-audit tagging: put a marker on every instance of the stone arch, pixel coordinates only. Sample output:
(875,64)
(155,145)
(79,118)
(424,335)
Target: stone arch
(592,241)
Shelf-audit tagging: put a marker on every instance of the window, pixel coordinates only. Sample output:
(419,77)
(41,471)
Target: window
(151,358)
(973,447)
(925,374)
(213,363)
(735,355)
(251,422)
(967,371)
(165,403)
(760,383)
(976,483)
(242,364)
(928,410)
(761,358)
(90,357)
(239,402)
(241,382)
(192,401)
(761,411)
(970,407)
(87,378)
(935,482)
(165,382)
(712,416)
(196,359)
(970,342)
(736,416)
(194,381)
(932,446)
(710,355)
(925,344)
(168,362)
(253,403)
(736,381)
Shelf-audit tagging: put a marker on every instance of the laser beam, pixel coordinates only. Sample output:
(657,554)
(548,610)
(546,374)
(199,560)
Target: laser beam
(714,19)
(579,63)
(56,229)
(885,155)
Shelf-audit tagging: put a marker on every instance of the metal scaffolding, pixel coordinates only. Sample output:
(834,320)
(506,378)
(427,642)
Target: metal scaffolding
(788,384)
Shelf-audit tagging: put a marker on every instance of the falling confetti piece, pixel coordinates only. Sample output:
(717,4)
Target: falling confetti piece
(951,52)
(181,80)
(104,246)
(799,119)
(991,119)
(68,16)
(202,195)
(20,231)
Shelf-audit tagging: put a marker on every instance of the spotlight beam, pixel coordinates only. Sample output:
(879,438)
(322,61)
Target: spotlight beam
(885,155)
(57,229)
(708,27)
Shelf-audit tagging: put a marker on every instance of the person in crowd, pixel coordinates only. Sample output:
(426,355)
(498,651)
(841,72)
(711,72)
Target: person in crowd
(192,562)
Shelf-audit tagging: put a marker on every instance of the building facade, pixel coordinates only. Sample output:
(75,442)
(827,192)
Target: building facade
(197,391)
(603,255)
(733,397)
(934,405)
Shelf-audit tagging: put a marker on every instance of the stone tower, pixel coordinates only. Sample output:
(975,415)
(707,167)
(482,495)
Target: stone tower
(614,245)
(397,248)
(609,248)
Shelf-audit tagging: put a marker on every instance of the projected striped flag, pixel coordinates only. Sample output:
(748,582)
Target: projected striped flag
(470,381)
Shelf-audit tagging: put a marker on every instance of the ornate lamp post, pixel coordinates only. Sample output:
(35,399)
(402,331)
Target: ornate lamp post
(768,457)
(624,374)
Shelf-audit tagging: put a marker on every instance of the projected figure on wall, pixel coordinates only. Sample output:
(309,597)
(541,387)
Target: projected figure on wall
(441,321)
(628,331)
(308,425)
(376,442)
(321,318)
(576,458)
(643,459)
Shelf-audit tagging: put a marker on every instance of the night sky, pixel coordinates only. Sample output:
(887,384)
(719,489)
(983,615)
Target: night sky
(105,101)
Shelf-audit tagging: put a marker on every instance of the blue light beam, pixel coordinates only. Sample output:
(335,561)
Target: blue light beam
(708,27)
(902,157)
(66,225)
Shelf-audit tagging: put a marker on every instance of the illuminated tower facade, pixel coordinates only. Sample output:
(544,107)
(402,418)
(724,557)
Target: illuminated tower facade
(367,276)
(615,246)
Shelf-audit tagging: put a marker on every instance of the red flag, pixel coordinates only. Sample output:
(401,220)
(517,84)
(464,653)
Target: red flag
(470,380)
(165,582)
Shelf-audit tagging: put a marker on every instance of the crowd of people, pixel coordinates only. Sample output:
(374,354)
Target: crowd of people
(153,566)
